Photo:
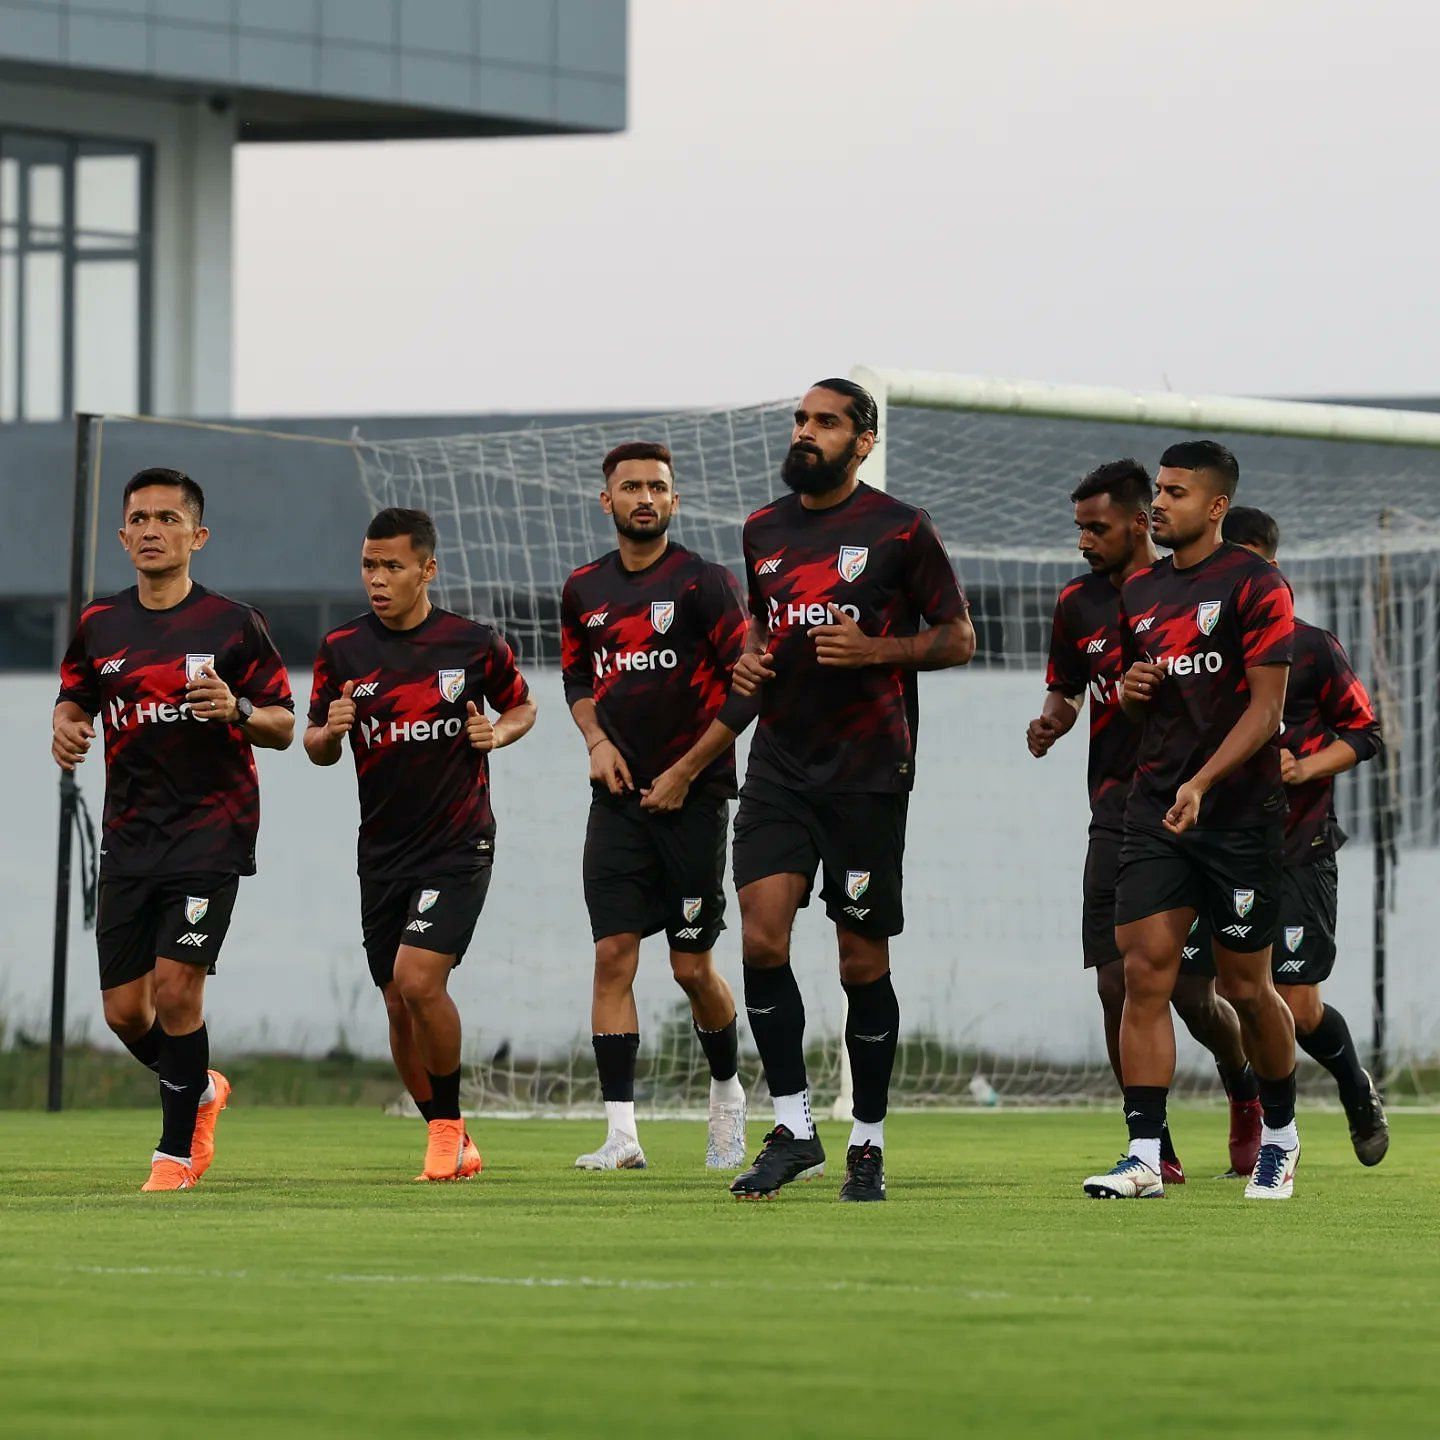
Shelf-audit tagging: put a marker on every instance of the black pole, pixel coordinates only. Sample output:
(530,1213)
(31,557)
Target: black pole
(1384,820)
(1379,782)
(69,793)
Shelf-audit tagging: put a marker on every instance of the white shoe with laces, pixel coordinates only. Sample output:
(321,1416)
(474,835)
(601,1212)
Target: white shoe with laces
(725,1144)
(1130,1179)
(1274,1174)
(619,1152)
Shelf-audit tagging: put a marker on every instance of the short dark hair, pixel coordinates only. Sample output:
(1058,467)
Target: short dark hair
(637,450)
(1245,525)
(391,524)
(1208,455)
(159,475)
(863,412)
(1126,482)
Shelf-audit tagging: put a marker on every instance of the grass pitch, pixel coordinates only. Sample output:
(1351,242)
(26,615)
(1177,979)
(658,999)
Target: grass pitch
(308,1289)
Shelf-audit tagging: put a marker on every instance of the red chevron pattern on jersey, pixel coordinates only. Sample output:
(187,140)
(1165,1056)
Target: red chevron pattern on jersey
(654,649)
(1085,657)
(881,562)
(1324,702)
(424,789)
(181,793)
(1206,625)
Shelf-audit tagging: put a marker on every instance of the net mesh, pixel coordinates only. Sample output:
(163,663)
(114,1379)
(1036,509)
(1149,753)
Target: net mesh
(995,1002)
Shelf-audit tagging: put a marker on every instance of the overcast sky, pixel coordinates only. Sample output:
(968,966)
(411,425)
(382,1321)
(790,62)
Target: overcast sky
(1217,196)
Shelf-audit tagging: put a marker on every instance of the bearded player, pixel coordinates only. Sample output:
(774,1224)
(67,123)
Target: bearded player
(650,633)
(1208,636)
(1112,515)
(408,683)
(188,683)
(851,593)
(1330,727)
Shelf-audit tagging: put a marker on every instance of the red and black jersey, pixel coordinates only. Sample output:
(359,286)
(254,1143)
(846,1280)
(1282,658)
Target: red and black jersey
(881,562)
(181,792)
(1324,702)
(654,649)
(1085,656)
(424,789)
(1207,625)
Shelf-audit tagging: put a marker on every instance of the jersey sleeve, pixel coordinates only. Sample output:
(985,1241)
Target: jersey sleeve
(1345,704)
(929,577)
(325,685)
(1065,670)
(576,668)
(753,598)
(263,680)
(79,682)
(1266,611)
(1129,650)
(723,613)
(505,686)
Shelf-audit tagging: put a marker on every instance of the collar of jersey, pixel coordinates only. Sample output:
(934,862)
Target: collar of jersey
(650,569)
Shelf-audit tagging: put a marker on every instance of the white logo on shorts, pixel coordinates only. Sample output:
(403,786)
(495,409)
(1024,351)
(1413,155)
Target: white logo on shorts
(1244,902)
(691,905)
(1294,937)
(1290,967)
(427,900)
(195,909)
(192,939)
(856,913)
(1236,932)
(419,927)
(857,882)
(691,934)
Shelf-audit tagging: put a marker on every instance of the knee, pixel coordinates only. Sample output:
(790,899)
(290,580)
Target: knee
(1194,1005)
(862,962)
(616,960)
(1304,1004)
(1244,992)
(395,1010)
(177,1003)
(691,972)
(1146,980)
(127,1016)
(1110,986)
(765,947)
(414,987)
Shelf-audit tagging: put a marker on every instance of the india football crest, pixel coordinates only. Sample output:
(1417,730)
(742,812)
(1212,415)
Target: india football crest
(427,900)
(1207,616)
(1294,937)
(195,908)
(690,907)
(194,664)
(857,882)
(852,561)
(452,684)
(662,615)
(1244,902)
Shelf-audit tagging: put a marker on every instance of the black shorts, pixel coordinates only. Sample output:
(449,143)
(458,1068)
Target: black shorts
(857,840)
(1230,878)
(182,917)
(438,914)
(1102,867)
(1304,951)
(646,871)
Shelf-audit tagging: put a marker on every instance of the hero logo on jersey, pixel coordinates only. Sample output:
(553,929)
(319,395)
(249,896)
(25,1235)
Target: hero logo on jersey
(1244,902)
(194,664)
(852,561)
(662,615)
(1294,937)
(857,882)
(1207,615)
(690,907)
(195,908)
(427,900)
(452,683)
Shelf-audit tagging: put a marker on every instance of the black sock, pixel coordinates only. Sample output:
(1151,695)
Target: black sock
(1145,1111)
(184,1060)
(1167,1147)
(615,1060)
(426,1109)
(1277,1100)
(777,1022)
(1329,1044)
(147,1048)
(445,1096)
(872,1031)
(1240,1085)
(722,1050)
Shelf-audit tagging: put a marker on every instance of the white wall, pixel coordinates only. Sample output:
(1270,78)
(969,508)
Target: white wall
(993,878)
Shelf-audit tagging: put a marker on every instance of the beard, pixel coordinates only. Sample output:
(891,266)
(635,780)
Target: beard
(807,472)
(1175,537)
(652,531)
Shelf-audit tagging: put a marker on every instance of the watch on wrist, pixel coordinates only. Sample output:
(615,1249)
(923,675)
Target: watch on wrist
(244,709)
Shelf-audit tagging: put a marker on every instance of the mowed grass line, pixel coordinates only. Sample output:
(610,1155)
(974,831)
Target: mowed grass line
(307,1288)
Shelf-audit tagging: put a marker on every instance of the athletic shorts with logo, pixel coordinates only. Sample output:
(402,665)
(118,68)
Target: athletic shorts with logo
(647,871)
(1231,878)
(1304,948)
(438,914)
(1102,868)
(181,917)
(857,841)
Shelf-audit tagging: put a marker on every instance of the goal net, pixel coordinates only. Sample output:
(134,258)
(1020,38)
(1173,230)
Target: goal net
(994,999)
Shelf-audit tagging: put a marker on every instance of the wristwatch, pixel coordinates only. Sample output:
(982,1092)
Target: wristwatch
(244,709)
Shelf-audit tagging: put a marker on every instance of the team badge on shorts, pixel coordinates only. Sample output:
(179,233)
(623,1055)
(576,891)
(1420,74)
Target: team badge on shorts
(195,908)
(852,561)
(194,664)
(690,907)
(662,615)
(857,882)
(1207,616)
(1244,902)
(452,683)
(427,900)
(1294,937)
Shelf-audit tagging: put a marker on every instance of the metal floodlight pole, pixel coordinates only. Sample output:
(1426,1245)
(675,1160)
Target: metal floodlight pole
(69,791)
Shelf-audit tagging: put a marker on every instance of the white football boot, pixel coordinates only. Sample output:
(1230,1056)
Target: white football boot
(1274,1175)
(619,1152)
(725,1144)
(1130,1179)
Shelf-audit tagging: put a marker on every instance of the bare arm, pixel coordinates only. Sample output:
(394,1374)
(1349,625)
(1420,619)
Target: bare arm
(70,734)
(270,727)
(323,743)
(843,644)
(1335,759)
(671,788)
(607,764)
(514,724)
(1056,718)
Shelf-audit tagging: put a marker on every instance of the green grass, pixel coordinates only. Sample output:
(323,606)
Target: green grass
(308,1289)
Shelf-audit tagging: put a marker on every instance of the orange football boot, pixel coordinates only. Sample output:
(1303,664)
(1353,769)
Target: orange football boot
(202,1147)
(445,1153)
(169,1175)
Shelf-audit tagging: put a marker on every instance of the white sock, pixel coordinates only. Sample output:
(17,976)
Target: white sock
(207,1096)
(1289,1137)
(1148,1151)
(161,1155)
(793,1112)
(726,1092)
(868,1132)
(620,1117)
